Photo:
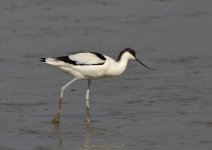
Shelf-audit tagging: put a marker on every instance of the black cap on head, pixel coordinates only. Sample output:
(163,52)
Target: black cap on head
(131,51)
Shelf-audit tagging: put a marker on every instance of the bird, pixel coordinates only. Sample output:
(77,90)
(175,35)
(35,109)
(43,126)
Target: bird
(90,66)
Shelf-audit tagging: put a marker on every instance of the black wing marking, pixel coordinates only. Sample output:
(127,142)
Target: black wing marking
(99,55)
(66,59)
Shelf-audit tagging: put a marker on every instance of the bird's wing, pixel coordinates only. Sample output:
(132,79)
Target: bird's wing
(91,58)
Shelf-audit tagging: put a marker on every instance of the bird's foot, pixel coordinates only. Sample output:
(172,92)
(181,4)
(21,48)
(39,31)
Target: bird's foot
(56,119)
(88,120)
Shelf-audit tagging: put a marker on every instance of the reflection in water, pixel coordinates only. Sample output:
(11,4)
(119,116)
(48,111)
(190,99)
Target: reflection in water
(95,138)
(59,134)
(87,145)
(95,135)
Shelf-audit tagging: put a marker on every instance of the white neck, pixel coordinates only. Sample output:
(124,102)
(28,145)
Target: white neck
(118,67)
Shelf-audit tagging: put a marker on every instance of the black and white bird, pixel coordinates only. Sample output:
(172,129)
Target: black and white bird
(90,66)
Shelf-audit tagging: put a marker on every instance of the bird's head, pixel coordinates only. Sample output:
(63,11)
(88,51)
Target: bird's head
(128,54)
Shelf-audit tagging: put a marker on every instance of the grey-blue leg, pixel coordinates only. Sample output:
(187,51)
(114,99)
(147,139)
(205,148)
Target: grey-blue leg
(57,116)
(87,102)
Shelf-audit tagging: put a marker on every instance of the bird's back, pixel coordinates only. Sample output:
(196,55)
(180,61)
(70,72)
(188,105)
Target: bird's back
(91,58)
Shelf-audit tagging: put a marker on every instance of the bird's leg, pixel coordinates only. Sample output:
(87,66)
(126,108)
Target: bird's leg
(87,102)
(56,119)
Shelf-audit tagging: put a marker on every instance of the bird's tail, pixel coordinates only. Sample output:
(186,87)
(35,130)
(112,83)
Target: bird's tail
(43,59)
(54,61)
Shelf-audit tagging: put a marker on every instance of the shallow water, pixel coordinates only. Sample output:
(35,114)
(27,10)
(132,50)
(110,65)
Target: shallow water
(165,109)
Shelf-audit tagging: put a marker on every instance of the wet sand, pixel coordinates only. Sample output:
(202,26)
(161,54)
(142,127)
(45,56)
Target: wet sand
(165,109)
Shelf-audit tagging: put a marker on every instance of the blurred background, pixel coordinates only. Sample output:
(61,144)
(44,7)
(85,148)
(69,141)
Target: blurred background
(165,109)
